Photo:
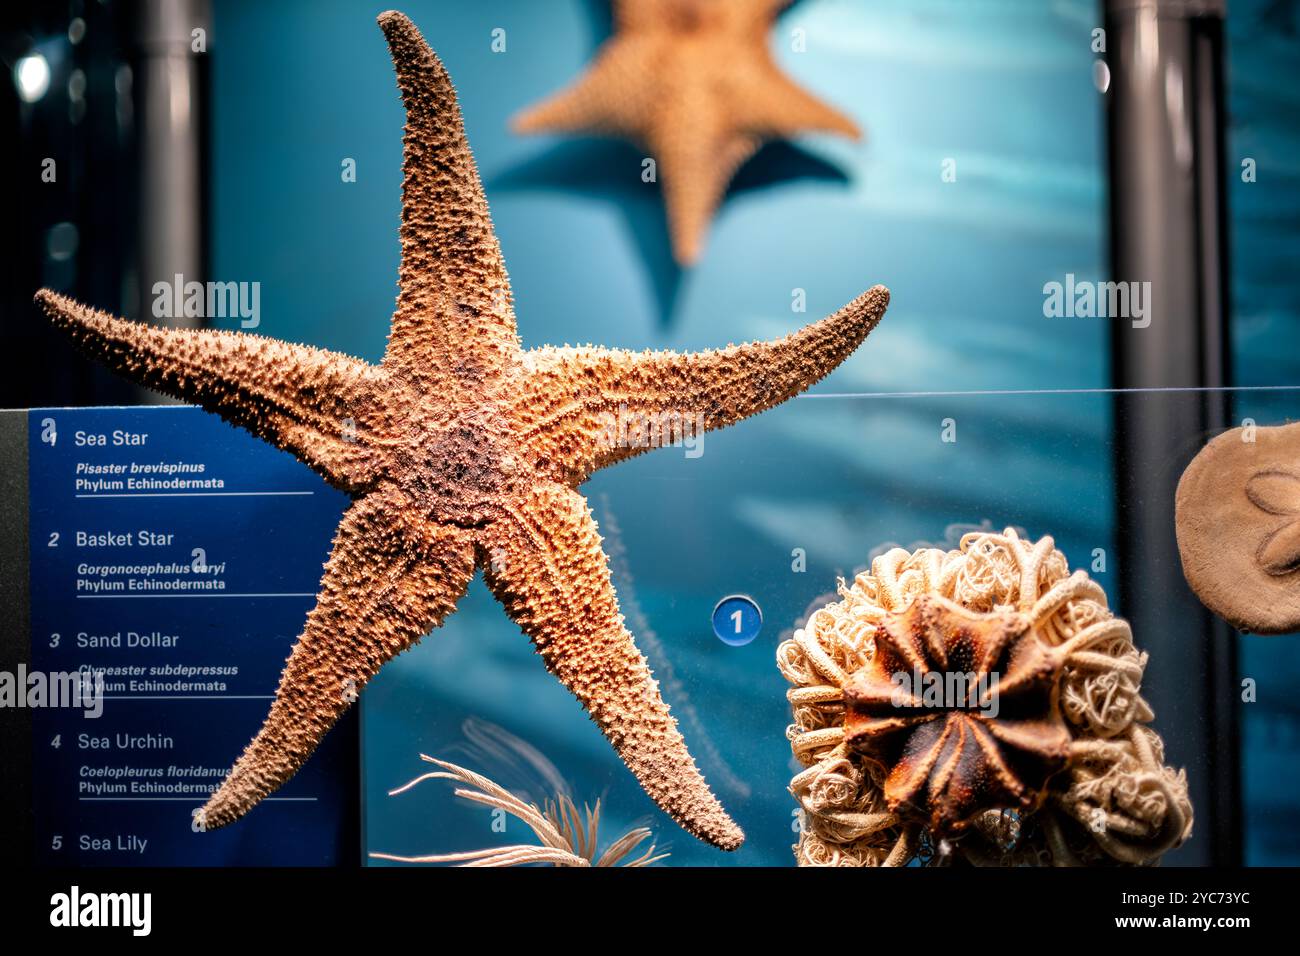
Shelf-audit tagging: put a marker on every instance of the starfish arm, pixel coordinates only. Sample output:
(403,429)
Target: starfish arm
(696,169)
(651,14)
(779,108)
(455,318)
(642,14)
(607,100)
(308,401)
(582,409)
(548,570)
(384,587)
(920,756)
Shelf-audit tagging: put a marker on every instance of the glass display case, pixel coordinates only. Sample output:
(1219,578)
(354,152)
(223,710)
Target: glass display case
(1020,378)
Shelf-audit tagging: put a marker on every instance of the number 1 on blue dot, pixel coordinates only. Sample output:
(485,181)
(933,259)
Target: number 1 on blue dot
(737,620)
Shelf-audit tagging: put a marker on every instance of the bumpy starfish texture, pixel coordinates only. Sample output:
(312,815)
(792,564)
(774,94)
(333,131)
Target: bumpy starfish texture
(692,82)
(461,450)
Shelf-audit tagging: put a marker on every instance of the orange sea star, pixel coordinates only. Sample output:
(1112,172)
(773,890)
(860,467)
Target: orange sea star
(462,450)
(692,82)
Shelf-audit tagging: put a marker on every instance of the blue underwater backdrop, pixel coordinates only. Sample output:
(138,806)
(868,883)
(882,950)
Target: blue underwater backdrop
(1264,127)
(1004,88)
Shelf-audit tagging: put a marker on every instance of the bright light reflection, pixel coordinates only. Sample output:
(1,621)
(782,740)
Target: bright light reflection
(32,77)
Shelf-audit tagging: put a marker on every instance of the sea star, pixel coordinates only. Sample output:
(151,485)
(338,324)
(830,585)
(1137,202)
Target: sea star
(461,450)
(692,82)
(961,710)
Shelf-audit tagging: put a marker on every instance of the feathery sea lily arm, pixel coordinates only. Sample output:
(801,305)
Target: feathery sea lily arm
(567,838)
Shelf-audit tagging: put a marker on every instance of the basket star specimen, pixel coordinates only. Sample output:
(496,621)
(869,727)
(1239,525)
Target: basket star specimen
(460,451)
(692,82)
(991,734)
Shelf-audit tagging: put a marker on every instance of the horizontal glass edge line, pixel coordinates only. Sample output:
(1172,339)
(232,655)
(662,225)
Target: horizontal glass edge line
(1059,391)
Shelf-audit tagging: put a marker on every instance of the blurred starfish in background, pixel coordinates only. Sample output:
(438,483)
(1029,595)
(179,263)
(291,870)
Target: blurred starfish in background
(461,450)
(692,82)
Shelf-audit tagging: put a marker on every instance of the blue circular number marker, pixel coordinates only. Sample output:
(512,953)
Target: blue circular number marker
(737,620)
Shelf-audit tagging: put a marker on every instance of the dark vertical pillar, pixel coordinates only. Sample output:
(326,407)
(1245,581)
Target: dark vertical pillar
(16,823)
(170,124)
(1167,227)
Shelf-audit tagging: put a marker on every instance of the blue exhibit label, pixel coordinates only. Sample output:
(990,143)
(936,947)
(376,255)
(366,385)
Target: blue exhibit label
(173,562)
